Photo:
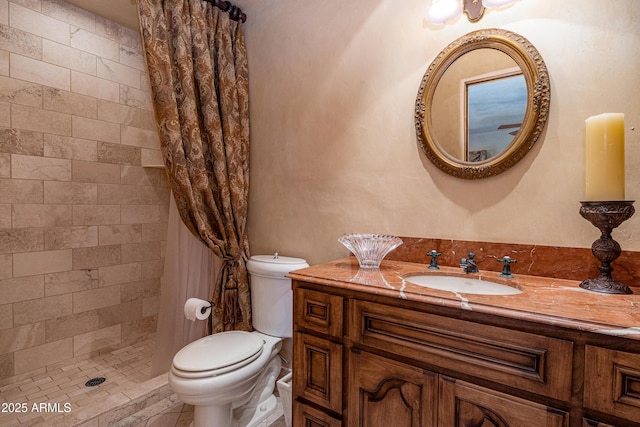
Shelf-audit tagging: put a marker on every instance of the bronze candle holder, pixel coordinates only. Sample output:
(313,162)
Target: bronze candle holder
(606,215)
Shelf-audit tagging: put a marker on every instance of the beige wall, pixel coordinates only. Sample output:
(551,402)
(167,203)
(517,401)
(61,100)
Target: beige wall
(334,150)
(82,223)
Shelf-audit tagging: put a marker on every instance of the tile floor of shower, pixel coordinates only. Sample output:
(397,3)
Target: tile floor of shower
(128,398)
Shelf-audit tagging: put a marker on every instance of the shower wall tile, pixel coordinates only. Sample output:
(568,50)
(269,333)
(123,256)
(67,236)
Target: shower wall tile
(95,340)
(96,215)
(70,192)
(36,23)
(139,328)
(5,216)
(70,281)
(118,274)
(21,191)
(66,56)
(4,62)
(96,298)
(4,12)
(22,337)
(44,168)
(20,42)
(64,101)
(139,137)
(139,290)
(111,194)
(42,355)
(86,84)
(35,119)
(121,313)
(71,325)
(40,262)
(135,98)
(70,14)
(21,289)
(93,43)
(119,154)
(20,92)
(21,142)
(6,316)
(138,214)
(84,171)
(125,233)
(37,310)
(5,165)
(134,252)
(36,215)
(96,256)
(96,129)
(70,148)
(6,266)
(21,239)
(150,306)
(82,224)
(119,73)
(70,237)
(36,71)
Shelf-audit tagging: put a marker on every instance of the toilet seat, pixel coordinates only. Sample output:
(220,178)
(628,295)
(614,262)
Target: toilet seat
(217,354)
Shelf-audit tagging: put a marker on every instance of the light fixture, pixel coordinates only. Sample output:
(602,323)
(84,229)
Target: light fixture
(440,12)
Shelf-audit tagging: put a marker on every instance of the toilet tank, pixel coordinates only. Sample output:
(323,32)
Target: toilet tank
(271,295)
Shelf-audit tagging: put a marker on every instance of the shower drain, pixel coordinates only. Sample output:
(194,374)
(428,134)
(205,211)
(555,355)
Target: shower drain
(95,381)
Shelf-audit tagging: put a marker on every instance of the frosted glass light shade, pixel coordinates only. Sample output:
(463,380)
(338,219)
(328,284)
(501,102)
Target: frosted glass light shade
(442,11)
(370,249)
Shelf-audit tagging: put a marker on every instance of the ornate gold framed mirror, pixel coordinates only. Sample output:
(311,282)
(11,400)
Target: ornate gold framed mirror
(482,103)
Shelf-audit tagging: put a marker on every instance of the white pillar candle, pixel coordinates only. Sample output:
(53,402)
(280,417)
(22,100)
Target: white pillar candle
(604,178)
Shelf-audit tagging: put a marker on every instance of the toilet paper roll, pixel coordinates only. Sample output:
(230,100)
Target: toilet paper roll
(196,308)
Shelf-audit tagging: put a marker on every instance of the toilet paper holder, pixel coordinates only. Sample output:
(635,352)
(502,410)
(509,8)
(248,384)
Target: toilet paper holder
(204,309)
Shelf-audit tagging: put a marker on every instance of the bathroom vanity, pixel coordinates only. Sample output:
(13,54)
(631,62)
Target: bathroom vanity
(373,349)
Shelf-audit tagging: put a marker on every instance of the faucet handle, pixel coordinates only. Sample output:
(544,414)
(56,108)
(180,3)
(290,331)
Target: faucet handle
(434,260)
(506,268)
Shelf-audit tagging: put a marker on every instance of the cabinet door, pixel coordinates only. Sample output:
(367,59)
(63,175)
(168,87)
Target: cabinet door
(467,405)
(612,382)
(317,374)
(306,416)
(383,392)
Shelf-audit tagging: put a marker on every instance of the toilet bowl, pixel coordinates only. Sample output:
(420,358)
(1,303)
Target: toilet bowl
(229,377)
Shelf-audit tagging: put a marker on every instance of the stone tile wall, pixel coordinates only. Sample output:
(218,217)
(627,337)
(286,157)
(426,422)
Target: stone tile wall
(82,223)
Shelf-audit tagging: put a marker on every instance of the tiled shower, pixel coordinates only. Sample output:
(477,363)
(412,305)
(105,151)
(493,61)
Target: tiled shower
(82,221)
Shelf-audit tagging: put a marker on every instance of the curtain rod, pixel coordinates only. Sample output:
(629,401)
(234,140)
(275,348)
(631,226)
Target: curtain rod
(235,12)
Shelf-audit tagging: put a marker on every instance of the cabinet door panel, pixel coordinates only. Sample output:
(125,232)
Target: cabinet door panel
(306,416)
(383,392)
(318,373)
(466,405)
(318,312)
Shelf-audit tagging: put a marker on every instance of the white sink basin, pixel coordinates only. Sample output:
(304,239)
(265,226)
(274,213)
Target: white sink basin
(462,285)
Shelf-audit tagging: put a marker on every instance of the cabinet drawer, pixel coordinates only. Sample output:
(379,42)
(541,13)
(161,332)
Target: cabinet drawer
(612,382)
(464,404)
(527,361)
(317,376)
(306,416)
(318,312)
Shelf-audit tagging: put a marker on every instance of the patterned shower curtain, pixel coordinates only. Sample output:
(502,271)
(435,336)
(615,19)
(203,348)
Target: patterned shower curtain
(197,65)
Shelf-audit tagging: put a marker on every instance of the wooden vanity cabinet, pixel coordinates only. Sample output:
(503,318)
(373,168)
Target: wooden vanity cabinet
(365,360)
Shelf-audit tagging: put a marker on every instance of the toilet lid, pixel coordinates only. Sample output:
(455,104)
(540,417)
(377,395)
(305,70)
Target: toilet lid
(218,351)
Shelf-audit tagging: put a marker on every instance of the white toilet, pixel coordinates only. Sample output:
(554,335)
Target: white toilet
(229,377)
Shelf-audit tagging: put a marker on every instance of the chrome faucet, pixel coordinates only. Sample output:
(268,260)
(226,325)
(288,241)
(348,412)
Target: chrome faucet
(506,268)
(468,264)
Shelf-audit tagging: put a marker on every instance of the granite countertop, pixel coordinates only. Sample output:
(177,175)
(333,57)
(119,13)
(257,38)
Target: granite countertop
(550,301)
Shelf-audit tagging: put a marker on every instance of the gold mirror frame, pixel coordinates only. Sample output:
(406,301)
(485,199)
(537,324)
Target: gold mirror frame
(537,111)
